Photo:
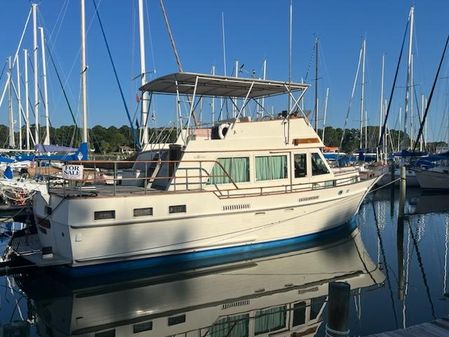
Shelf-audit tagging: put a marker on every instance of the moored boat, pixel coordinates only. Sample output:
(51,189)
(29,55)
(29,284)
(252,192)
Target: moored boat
(281,294)
(238,184)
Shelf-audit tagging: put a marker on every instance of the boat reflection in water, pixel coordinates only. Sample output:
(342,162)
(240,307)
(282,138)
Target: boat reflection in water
(272,295)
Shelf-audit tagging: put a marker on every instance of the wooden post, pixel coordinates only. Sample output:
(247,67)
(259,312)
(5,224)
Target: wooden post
(402,191)
(338,309)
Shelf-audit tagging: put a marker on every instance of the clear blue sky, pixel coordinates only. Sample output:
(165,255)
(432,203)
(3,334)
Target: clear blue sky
(254,30)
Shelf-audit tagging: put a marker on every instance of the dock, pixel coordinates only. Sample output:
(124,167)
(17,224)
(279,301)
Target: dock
(437,328)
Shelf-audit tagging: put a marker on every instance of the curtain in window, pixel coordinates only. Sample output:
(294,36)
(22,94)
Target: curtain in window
(271,167)
(236,326)
(237,168)
(270,320)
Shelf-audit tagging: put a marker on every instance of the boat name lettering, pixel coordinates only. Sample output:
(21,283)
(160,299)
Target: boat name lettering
(308,198)
(73,172)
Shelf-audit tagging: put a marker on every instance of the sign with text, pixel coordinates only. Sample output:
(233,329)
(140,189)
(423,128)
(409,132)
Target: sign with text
(72,172)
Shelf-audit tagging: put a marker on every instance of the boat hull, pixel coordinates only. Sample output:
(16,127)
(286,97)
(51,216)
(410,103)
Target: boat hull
(243,223)
(433,180)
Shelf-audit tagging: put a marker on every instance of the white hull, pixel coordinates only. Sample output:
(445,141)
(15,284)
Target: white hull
(433,179)
(210,222)
(207,297)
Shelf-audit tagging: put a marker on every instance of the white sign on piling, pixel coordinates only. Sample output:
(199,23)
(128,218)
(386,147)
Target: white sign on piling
(73,172)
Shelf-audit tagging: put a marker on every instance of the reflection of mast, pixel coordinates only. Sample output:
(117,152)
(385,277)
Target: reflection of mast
(400,251)
(446,239)
(407,268)
(423,273)
(384,260)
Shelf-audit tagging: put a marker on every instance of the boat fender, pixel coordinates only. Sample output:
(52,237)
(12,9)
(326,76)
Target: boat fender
(223,130)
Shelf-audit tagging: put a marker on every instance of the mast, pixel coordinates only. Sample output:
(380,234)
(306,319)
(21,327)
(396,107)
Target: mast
(19,101)
(381,110)
(36,79)
(362,95)
(290,51)
(316,84)
(84,149)
(143,80)
(262,102)
(408,97)
(27,105)
(44,79)
(12,142)
(212,103)
(325,114)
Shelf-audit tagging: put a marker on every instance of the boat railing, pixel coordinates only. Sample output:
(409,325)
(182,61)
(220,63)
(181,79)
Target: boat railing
(118,177)
(156,176)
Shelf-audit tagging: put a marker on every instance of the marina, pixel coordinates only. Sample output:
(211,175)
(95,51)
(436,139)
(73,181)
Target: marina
(235,202)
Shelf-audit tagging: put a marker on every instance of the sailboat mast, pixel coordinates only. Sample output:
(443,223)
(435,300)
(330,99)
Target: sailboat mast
(36,79)
(325,114)
(362,96)
(83,80)
(381,110)
(316,83)
(408,97)
(12,142)
(44,79)
(143,79)
(27,104)
(19,101)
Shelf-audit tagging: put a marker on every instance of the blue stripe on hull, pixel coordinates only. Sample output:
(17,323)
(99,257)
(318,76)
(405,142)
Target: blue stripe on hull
(201,259)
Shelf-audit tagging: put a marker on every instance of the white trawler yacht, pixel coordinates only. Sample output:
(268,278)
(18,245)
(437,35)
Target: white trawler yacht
(236,185)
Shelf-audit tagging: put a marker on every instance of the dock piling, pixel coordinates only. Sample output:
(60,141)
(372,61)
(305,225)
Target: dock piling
(338,309)
(402,191)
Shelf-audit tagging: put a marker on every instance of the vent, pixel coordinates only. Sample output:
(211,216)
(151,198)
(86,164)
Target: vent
(143,211)
(177,209)
(234,304)
(236,207)
(103,215)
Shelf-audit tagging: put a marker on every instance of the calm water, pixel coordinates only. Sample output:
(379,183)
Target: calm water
(398,278)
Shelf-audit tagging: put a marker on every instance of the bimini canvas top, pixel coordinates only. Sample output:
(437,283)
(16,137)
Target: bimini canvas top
(224,86)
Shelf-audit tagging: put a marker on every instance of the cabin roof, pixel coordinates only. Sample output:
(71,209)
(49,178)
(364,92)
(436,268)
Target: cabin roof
(224,86)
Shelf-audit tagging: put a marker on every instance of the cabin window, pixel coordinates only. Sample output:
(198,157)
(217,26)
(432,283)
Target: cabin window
(318,165)
(299,313)
(235,326)
(316,305)
(174,320)
(271,167)
(237,168)
(109,333)
(103,215)
(270,320)
(177,209)
(143,211)
(140,327)
(300,165)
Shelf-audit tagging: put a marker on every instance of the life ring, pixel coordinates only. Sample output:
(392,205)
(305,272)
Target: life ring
(223,130)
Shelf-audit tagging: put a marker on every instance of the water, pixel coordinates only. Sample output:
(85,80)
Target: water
(398,278)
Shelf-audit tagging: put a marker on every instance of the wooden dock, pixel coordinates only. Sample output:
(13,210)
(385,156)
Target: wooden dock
(437,328)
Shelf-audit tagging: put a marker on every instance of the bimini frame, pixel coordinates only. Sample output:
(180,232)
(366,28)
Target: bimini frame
(232,88)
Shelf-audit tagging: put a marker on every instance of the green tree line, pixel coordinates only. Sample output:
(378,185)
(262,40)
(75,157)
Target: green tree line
(108,140)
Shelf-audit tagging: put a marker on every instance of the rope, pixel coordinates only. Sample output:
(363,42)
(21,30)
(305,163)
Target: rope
(391,182)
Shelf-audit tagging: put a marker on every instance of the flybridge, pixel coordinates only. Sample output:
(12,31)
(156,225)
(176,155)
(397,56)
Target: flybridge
(224,86)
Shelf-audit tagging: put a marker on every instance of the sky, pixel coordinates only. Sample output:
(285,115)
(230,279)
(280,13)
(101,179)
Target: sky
(254,31)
